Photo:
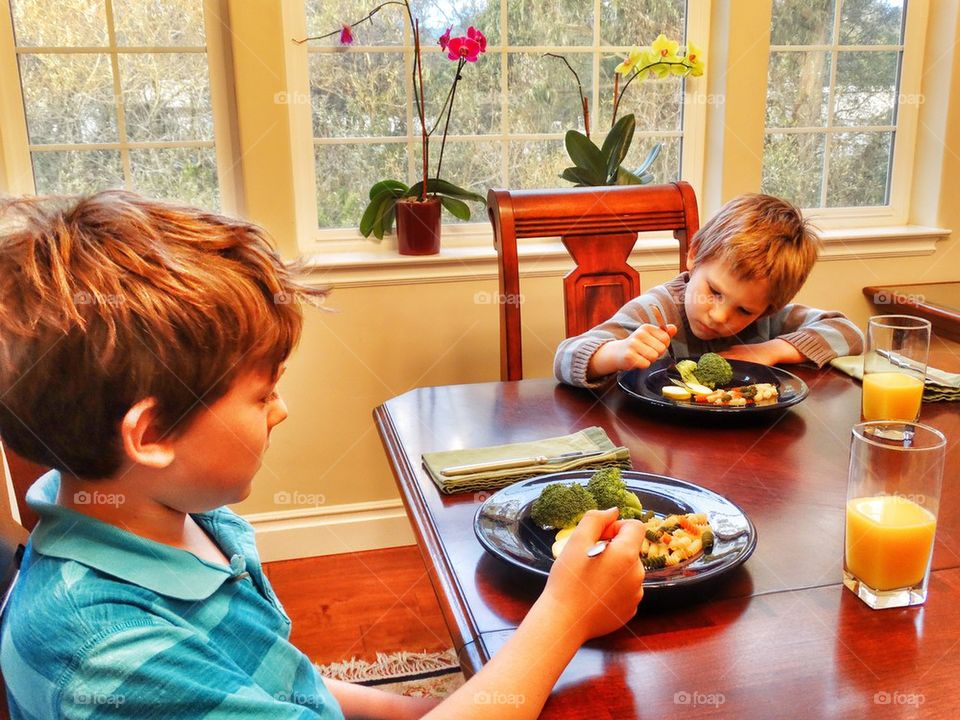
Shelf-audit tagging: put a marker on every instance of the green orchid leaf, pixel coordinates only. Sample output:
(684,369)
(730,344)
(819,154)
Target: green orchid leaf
(617,144)
(372,218)
(442,187)
(585,154)
(625,177)
(398,187)
(388,217)
(579,177)
(649,159)
(457,208)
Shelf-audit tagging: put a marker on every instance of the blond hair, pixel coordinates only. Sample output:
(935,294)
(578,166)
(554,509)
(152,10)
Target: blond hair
(761,237)
(113,298)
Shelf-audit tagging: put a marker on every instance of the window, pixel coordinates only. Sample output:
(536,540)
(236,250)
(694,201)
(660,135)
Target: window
(833,101)
(512,108)
(117,93)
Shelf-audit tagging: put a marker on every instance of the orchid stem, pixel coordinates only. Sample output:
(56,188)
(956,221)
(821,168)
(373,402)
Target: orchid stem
(616,99)
(583,100)
(367,18)
(453,92)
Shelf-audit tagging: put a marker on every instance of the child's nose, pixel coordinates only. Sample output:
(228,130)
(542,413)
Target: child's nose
(719,313)
(278,413)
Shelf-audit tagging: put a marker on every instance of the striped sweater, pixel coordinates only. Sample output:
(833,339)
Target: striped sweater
(819,335)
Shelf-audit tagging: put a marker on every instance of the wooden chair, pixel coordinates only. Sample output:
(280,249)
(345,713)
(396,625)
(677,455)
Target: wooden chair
(599,228)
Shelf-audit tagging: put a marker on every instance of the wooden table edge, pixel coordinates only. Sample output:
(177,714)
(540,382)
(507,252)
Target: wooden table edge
(460,622)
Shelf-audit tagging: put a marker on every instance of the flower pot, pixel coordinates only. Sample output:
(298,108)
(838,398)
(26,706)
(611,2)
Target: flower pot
(418,226)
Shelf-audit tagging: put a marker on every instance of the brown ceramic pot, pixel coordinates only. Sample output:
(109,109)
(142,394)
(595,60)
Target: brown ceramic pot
(418,226)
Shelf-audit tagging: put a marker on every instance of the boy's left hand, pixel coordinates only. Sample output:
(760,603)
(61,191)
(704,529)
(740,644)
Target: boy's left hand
(770,352)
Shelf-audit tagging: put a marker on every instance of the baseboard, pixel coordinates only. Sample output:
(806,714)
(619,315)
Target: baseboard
(332,530)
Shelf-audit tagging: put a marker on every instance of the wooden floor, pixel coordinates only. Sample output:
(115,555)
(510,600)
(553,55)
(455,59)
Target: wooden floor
(358,604)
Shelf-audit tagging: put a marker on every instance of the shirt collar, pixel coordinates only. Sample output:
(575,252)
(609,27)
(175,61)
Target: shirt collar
(166,570)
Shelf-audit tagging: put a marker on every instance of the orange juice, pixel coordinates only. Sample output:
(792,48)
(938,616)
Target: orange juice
(891,396)
(888,541)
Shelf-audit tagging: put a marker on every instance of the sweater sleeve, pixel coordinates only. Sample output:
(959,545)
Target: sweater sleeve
(819,335)
(573,354)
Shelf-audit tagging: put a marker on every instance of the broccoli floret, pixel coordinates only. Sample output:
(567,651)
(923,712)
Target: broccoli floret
(713,371)
(609,490)
(687,368)
(561,506)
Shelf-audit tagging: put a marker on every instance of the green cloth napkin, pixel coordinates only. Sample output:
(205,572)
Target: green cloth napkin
(932,392)
(591,439)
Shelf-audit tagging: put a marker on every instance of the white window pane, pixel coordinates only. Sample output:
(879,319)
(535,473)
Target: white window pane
(802,22)
(537,164)
(859,169)
(167,23)
(76,171)
(871,22)
(793,167)
(166,96)
(476,105)
(543,92)
(638,22)
(357,94)
(187,175)
(471,165)
(68,23)
(345,173)
(69,98)
(866,90)
(534,22)
(798,87)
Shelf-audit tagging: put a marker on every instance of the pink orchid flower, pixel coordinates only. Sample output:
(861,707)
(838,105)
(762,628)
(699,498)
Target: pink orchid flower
(463,47)
(445,38)
(475,34)
(346,34)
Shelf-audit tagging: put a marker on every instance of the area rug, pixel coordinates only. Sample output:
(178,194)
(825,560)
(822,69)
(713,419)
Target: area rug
(415,674)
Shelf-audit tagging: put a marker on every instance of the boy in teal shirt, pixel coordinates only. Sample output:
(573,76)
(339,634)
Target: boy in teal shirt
(140,348)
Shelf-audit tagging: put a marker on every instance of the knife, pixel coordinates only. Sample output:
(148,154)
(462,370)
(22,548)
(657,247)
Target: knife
(518,462)
(933,374)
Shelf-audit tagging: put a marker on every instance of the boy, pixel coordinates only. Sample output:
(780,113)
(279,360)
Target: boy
(745,265)
(140,348)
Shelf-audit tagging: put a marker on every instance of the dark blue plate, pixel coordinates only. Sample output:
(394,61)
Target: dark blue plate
(646,385)
(504,528)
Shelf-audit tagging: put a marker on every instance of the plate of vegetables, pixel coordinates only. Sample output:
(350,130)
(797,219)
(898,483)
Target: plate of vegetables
(692,534)
(712,384)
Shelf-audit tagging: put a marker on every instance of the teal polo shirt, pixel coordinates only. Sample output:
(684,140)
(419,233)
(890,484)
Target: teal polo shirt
(107,624)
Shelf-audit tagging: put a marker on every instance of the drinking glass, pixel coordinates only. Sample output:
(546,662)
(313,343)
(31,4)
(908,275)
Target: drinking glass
(894,367)
(893,496)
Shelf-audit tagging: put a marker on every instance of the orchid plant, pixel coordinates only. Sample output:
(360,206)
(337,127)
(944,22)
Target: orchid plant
(379,215)
(594,165)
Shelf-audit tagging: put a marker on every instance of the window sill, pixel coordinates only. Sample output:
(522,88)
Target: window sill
(467,253)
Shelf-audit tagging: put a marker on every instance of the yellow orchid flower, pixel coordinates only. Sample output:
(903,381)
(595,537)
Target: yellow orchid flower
(695,60)
(632,61)
(665,49)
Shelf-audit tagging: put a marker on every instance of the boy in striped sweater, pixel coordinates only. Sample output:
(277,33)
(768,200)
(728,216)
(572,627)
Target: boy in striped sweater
(745,265)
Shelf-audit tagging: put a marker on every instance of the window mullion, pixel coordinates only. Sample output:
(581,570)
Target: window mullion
(118,98)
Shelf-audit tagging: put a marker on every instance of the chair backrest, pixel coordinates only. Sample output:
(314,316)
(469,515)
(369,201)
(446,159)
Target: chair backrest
(21,474)
(13,537)
(598,226)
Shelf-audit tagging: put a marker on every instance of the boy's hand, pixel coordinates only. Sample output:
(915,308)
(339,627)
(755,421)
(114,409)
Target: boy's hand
(594,596)
(770,352)
(643,347)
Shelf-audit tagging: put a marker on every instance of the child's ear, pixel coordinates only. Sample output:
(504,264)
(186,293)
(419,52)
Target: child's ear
(141,437)
(691,256)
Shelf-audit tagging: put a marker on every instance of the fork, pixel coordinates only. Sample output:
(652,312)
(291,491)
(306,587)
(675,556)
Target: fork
(661,323)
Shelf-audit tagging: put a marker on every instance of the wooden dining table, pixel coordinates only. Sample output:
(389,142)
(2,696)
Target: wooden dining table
(777,637)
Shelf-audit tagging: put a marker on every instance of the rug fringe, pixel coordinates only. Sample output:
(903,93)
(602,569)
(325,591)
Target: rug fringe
(391,666)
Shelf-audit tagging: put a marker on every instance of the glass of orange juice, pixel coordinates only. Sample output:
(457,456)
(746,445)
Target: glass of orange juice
(893,496)
(894,367)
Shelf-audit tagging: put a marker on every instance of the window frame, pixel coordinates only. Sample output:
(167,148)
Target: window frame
(16,149)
